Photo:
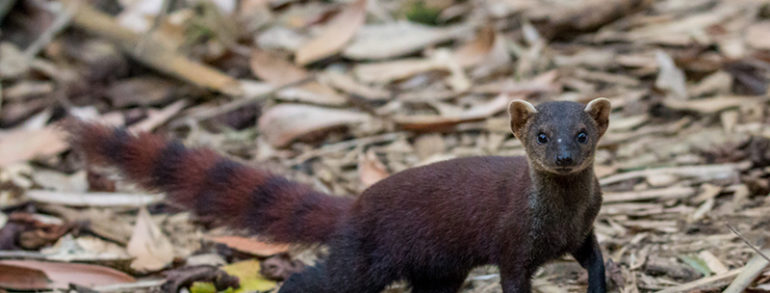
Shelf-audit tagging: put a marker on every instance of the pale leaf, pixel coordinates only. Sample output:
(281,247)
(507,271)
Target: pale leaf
(284,123)
(150,247)
(335,36)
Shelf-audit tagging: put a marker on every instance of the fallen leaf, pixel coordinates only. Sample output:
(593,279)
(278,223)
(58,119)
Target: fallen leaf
(150,247)
(370,169)
(26,144)
(274,69)
(251,246)
(348,84)
(388,40)
(334,37)
(278,72)
(435,122)
(388,71)
(713,263)
(203,287)
(248,272)
(311,92)
(22,278)
(63,274)
(285,123)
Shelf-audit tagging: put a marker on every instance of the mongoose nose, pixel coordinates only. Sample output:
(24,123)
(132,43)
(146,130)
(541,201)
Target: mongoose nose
(563,160)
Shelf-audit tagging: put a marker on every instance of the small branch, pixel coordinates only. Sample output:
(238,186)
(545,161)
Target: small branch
(237,104)
(151,52)
(61,22)
(747,242)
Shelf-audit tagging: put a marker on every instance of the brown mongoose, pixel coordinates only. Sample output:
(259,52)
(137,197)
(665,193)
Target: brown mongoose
(428,225)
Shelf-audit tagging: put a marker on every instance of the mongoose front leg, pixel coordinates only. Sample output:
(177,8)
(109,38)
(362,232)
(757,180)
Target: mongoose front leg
(516,282)
(589,255)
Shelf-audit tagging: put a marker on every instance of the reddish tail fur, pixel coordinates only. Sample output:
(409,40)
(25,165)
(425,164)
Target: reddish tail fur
(210,185)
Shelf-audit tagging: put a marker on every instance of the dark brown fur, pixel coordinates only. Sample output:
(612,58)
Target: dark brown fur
(429,225)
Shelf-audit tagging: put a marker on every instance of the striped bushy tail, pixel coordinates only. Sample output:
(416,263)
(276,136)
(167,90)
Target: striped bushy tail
(212,186)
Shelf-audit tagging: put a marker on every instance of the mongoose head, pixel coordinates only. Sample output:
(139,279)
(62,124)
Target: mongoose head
(560,137)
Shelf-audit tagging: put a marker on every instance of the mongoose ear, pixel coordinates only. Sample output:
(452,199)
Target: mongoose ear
(520,111)
(599,109)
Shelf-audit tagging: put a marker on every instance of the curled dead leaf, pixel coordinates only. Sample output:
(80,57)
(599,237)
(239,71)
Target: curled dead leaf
(274,69)
(63,274)
(22,278)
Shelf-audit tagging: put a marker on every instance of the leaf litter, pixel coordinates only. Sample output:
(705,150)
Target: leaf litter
(341,94)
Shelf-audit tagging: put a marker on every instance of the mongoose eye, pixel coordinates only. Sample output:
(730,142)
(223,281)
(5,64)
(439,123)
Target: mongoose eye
(582,137)
(542,138)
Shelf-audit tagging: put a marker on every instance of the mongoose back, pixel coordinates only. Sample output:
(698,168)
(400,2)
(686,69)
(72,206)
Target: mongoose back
(428,225)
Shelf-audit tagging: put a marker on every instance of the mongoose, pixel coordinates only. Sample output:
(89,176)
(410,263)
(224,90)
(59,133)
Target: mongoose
(428,225)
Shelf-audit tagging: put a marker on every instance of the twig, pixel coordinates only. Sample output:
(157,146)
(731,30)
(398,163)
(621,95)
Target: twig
(130,287)
(747,242)
(701,282)
(749,273)
(236,104)
(152,53)
(61,22)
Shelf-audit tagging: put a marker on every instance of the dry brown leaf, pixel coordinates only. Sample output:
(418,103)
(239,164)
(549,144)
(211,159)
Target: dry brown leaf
(388,71)
(284,123)
(274,69)
(251,246)
(278,72)
(371,169)
(23,144)
(62,274)
(334,37)
(149,245)
(434,122)
(22,278)
(388,40)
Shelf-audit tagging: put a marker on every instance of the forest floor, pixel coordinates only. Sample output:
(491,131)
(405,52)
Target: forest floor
(342,94)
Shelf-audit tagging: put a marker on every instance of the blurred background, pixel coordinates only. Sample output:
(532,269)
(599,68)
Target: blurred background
(341,94)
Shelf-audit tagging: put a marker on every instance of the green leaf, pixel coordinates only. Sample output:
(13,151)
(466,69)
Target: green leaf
(696,263)
(248,273)
(203,287)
